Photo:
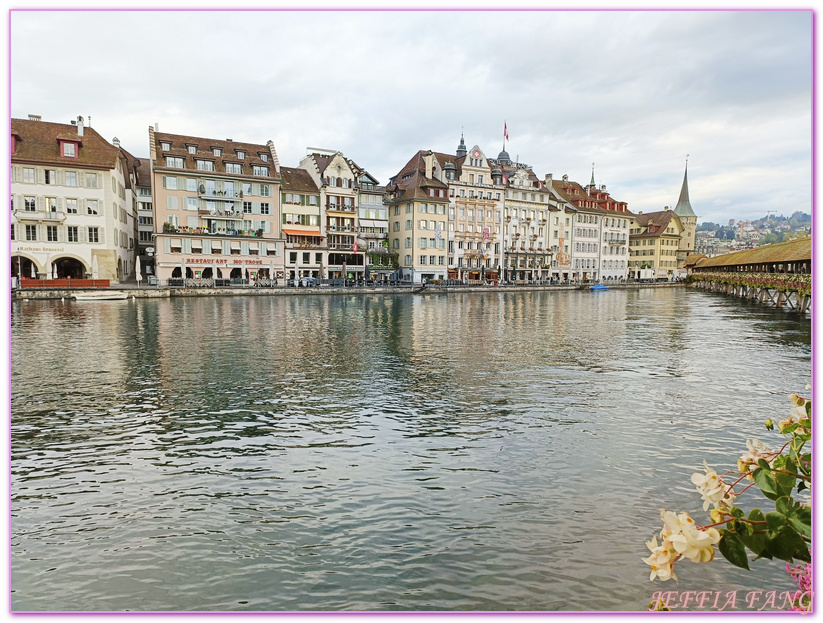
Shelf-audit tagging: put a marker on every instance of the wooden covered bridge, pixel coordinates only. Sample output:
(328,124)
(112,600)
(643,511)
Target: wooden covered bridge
(777,274)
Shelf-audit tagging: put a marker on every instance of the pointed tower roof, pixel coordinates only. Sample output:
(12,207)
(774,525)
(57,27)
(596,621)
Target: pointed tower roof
(461,148)
(592,182)
(684,208)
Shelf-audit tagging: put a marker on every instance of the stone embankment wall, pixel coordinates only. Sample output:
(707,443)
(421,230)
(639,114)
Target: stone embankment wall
(154,292)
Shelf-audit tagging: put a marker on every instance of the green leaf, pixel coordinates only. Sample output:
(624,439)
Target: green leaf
(733,550)
(765,480)
(785,483)
(783,505)
(787,545)
(737,512)
(801,520)
(775,521)
(764,464)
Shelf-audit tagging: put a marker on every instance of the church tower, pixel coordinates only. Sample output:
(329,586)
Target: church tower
(688,219)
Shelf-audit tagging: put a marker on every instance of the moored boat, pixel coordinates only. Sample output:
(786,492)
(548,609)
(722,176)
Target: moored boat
(598,287)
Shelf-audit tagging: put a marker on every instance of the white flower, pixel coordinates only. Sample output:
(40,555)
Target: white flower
(661,560)
(711,488)
(694,544)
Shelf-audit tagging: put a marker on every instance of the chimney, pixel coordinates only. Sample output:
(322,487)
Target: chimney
(80,126)
(429,160)
(35,118)
(156,127)
(115,141)
(548,180)
(665,208)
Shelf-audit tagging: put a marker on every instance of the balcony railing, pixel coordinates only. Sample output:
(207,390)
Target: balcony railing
(39,215)
(336,207)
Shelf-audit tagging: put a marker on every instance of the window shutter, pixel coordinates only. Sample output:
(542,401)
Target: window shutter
(164,181)
(191,221)
(186,245)
(226,247)
(82,233)
(255,208)
(206,246)
(244,247)
(167,245)
(61,234)
(263,249)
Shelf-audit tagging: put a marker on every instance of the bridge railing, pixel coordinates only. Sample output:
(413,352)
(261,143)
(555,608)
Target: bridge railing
(783,282)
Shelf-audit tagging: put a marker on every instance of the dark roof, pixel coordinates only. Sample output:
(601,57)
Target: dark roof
(179,149)
(297,180)
(411,181)
(37,143)
(660,221)
(143,171)
(793,251)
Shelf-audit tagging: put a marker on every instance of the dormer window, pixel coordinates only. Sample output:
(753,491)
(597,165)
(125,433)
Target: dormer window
(241,155)
(69,150)
(264,157)
(192,149)
(217,151)
(165,146)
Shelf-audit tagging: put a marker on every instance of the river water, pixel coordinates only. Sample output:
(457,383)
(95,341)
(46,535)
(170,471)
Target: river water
(476,451)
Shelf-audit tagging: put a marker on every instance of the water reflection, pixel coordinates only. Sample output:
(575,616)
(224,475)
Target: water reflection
(471,451)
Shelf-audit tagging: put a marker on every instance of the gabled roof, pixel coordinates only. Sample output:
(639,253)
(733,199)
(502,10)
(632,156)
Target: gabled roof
(659,220)
(297,180)
(37,142)
(143,171)
(411,181)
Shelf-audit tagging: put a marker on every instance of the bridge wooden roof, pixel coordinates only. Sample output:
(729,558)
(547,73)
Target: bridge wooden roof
(799,250)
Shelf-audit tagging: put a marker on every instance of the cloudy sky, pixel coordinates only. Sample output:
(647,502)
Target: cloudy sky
(632,92)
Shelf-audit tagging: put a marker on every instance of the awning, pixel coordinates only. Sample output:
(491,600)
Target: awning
(235,244)
(176,242)
(370,223)
(196,243)
(255,246)
(302,232)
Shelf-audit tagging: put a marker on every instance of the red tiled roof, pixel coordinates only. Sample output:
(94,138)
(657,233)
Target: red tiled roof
(179,149)
(37,142)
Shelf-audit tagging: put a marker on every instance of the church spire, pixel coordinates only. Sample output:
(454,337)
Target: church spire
(592,182)
(684,208)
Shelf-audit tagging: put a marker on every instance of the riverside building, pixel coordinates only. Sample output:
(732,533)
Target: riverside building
(656,238)
(216,209)
(418,202)
(72,207)
(336,178)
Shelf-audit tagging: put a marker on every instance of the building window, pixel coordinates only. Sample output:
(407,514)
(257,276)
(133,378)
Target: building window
(91,206)
(232,167)
(191,203)
(217,151)
(51,177)
(264,157)
(247,207)
(71,178)
(51,233)
(205,165)
(171,183)
(69,150)
(71,206)
(72,233)
(30,204)
(165,146)
(177,163)
(51,202)
(264,208)
(260,171)
(94,234)
(31,232)
(28,175)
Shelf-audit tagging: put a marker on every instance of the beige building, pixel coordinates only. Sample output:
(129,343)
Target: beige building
(336,178)
(216,210)
(655,241)
(418,201)
(72,202)
(474,215)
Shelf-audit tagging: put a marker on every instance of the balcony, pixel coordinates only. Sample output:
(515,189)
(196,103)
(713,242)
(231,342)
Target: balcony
(335,207)
(39,215)
(220,195)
